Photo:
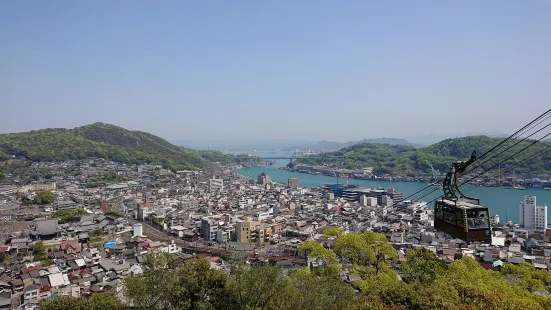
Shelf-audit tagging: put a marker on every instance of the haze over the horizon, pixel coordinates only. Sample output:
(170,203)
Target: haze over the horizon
(246,70)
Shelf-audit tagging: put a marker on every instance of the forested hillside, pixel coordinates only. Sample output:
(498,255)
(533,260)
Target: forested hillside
(406,160)
(104,141)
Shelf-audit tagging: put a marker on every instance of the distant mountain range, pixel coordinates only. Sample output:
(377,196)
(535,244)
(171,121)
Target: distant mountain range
(321,145)
(283,145)
(328,146)
(236,145)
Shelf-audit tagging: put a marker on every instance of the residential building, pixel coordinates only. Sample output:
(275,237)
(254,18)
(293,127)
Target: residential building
(65,205)
(246,230)
(293,182)
(263,179)
(5,300)
(225,234)
(532,216)
(171,248)
(216,185)
(30,294)
(91,256)
(209,228)
(421,216)
(259,216)
(6,190)
(38,187)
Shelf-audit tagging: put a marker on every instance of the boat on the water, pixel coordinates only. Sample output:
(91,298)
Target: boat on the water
(516,186)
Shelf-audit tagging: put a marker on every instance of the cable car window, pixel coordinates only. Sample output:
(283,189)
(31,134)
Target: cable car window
(449,216)
(477,219)
(439,214)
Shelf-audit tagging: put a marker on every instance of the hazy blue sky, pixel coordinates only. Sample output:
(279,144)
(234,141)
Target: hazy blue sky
(335,70)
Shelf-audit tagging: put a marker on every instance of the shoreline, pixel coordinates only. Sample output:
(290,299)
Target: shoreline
(404,179)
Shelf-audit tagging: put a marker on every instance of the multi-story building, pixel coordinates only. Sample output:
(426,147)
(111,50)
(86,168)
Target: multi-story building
(263,179)
(421,216)
(396,196)
(6,190)
(368,201)
(171,248)
(225,234)
(91,256)
(209,228)
(387,201)
(532,216)
(38,187)
(293,182)
(246,230)
(187,203)
(216,185)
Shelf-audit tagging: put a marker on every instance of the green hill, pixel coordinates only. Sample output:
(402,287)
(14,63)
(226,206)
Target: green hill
(406,160)
(104,141)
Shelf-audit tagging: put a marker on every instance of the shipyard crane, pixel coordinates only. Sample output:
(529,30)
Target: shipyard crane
(435,173)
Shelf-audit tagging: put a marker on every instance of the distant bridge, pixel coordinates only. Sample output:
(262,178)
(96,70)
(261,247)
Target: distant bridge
(290,157)
(286,157)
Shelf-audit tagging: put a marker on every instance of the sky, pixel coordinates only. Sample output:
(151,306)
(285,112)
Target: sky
(250,70)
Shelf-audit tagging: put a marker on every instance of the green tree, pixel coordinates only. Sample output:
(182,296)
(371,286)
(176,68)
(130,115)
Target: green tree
(527,276)
(103,301)
(39,251)
(44,198)
(333,231)
(325,257)
(110,177)
(310,291)
(385,288)
(422,265)
(2,257)
(366,249)
(114,213)
(536,236)
(98,301)
(465,283)
(156,287)
(66,216)
(256,287)
(61,303)
(198,286)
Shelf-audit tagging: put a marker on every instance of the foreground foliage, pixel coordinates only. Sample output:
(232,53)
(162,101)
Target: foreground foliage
(428,283)
(98,301)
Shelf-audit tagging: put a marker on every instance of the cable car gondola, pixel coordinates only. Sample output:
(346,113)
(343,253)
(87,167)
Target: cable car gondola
(459,215)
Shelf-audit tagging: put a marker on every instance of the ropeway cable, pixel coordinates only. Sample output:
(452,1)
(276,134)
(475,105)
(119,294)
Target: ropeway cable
(476,176)
(530,126)
(541,152)
(518,141)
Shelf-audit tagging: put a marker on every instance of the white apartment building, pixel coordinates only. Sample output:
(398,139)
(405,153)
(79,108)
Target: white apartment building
(216,185)
(532,216)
